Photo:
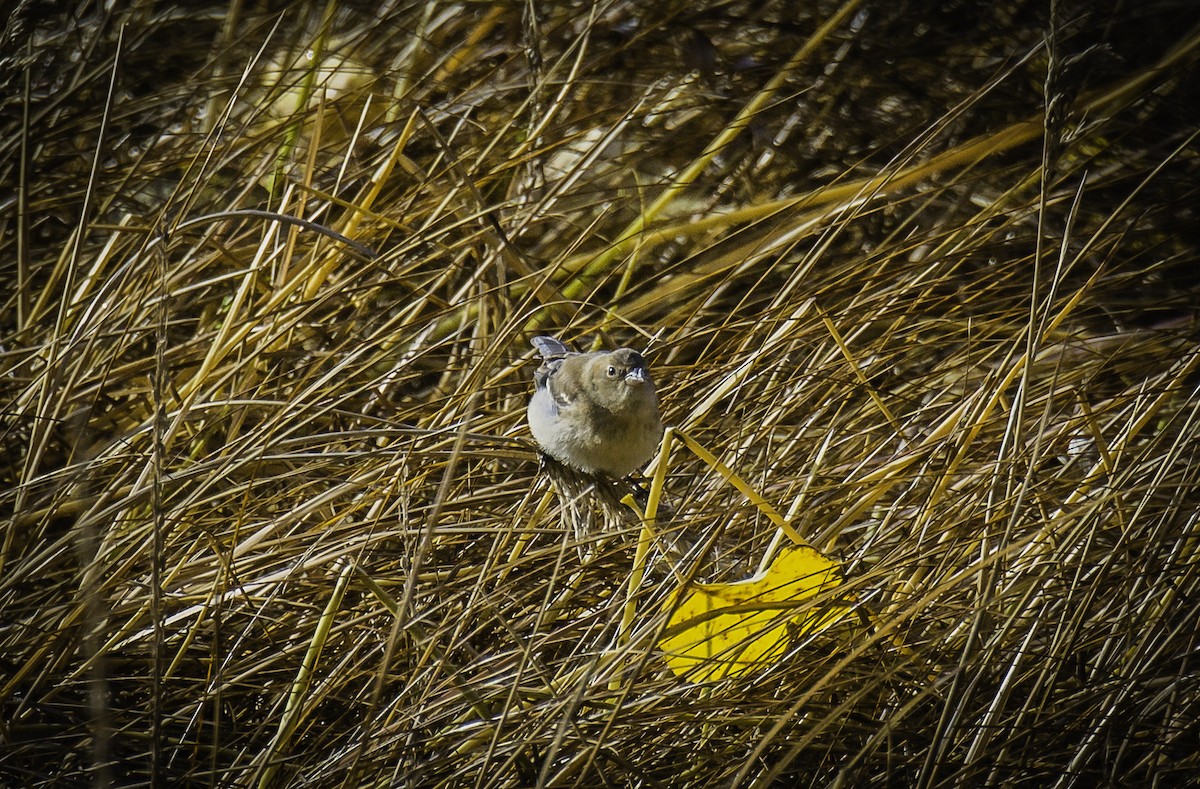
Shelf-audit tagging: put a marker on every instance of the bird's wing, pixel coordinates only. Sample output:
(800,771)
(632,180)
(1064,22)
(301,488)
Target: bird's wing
(543,374)
(550,348)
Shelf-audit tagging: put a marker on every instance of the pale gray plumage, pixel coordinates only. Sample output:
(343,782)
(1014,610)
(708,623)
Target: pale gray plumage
(595,412)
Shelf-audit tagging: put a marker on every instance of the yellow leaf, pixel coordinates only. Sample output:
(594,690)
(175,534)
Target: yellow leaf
(726,630)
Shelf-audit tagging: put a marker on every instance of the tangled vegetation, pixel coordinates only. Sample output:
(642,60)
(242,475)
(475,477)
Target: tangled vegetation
(925,279)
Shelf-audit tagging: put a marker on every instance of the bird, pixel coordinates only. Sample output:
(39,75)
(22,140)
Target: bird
(594,412)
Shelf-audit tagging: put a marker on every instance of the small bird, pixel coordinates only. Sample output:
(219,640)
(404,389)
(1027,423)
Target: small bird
(595,412)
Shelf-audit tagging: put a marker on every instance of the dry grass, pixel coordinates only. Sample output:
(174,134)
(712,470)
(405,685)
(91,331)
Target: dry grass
(928,282)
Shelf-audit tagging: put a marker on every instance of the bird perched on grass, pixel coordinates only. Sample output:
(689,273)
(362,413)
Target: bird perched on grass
(595,412)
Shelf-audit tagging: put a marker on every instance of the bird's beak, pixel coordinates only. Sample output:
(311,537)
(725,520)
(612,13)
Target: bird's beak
(636,376)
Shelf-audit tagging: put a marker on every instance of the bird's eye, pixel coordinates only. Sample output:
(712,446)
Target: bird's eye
(612,371)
